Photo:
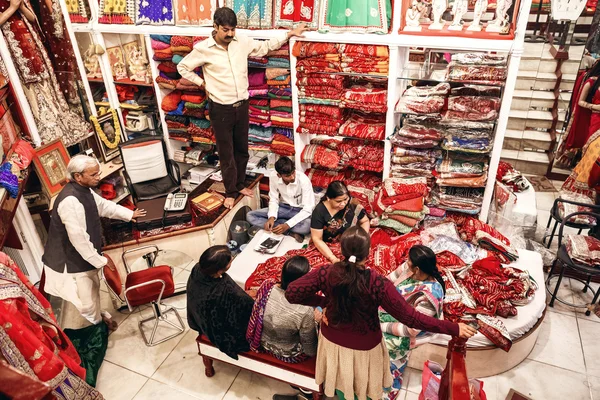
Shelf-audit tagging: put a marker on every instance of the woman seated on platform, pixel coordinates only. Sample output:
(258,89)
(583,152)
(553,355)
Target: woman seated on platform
(333,215)
(352,358)
(216,306)
(422,286)
(287,331)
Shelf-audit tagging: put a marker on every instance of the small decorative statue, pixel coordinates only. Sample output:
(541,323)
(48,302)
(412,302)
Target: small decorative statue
(438,8)
(502,7)
(412,18)
(424,8)
(480,9)
(119,70)
(138,67)
(459,9)
(92,63)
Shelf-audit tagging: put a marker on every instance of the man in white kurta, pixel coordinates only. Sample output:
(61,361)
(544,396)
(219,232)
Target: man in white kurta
(72,258)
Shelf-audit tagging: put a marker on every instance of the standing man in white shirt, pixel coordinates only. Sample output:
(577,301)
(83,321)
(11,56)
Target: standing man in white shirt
(224,61)
(291,202)
(72,256)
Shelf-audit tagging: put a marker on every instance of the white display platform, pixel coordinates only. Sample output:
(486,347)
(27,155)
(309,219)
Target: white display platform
(246,262)
(528,315)
(483,358)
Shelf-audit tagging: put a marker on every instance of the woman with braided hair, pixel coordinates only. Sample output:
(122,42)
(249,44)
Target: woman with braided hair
(420,283)
(352,357)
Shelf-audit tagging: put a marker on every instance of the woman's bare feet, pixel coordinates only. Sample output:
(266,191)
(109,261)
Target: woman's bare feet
(229,202)
(247,192)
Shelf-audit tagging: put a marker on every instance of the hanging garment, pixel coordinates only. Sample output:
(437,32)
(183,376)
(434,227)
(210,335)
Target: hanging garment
(195,12)
(116,11)
(252,14)
(54,119)
(79,11)
(155,12)
(33,342)
(369,16)
(60,51)
(290,12)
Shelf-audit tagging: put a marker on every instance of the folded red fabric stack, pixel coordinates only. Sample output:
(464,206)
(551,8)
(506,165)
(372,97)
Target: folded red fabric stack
(364,126)
(322,178)
(365,59)
(365,99)
(282,145)
(584,249)
(362,155)
(321,156)
(400,204)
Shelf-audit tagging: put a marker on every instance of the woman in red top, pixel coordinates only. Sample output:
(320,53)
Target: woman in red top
(352,357)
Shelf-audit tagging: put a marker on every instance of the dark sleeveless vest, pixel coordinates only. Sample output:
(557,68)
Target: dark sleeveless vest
(59,250)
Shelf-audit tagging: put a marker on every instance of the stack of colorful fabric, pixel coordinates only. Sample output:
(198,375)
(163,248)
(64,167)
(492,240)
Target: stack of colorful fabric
(400,204)
(186,104)
(321,156)
(362,155)
(259,112)
(257,62)
(584,249)
(364,126)
(461,180)
(282,145)
(259,138)
(365,98)
(365,59)
(320,119)
(257,83)
(280,95)
(414,151)
(279,58)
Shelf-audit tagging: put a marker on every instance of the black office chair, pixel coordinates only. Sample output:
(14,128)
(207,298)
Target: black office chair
(566,264)
(148,171)
(555,215)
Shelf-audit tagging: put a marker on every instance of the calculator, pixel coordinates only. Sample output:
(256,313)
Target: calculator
(176,202)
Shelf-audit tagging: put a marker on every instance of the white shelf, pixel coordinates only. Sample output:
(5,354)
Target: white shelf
(399,45)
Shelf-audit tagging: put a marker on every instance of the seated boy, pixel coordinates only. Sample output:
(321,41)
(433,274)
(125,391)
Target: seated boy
(291,202)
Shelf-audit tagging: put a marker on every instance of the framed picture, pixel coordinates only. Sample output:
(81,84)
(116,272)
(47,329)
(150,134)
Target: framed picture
(117,62)
(50,163)
(108,132)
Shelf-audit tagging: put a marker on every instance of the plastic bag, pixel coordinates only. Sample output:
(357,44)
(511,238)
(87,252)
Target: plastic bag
(548,256)
(432,376)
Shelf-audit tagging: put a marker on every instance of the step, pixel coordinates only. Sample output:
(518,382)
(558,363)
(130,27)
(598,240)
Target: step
(527,162)
(512,139)
(570,67)
(536,140)
(539,119)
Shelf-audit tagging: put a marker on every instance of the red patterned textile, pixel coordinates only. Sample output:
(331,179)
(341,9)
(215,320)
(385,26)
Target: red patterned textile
(584,249)
(420,105)
(473,104)
(322,110)
(450,115)
(282,145)
(365,99)
(171,101)
(468,226)
(322,178)
(167,67)
(329,80)
(381,259)
(311,49)
(321,156)
(364,127)
(362,155)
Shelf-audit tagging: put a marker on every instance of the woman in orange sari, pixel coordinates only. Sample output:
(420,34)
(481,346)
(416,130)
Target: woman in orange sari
(32,341)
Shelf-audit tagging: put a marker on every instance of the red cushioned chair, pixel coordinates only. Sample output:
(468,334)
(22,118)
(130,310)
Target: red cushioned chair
(143,287)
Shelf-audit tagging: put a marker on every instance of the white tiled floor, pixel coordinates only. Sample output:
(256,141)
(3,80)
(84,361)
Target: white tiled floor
(565,363)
